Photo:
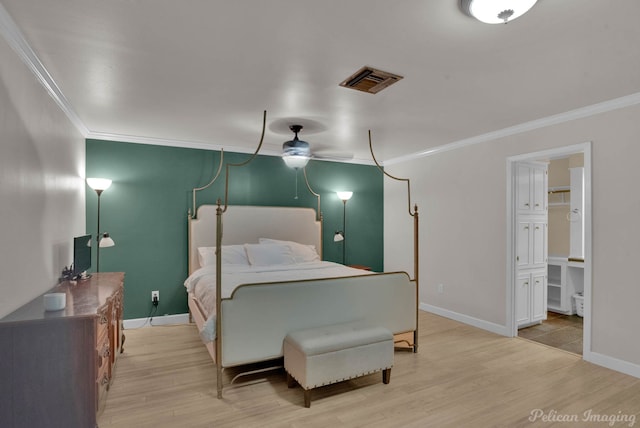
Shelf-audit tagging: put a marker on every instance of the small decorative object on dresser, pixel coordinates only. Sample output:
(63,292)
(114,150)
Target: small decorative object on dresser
(56,366)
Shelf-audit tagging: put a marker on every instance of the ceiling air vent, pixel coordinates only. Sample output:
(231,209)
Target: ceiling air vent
(370,80)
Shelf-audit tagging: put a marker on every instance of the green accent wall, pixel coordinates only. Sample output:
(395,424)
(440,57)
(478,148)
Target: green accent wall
(145,210)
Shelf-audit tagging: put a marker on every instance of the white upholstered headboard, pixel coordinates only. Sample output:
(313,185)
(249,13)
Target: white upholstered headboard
(243,224)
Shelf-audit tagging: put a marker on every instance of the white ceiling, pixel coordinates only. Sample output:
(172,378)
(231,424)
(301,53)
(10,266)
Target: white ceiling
(200,73)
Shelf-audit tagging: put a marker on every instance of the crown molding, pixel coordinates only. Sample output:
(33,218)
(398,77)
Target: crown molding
(594,109)
(18,43)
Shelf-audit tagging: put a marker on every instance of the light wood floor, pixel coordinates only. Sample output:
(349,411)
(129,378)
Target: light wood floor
(461,377)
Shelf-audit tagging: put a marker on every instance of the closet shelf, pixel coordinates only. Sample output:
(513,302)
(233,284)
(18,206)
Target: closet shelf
(559,189)
(559,196)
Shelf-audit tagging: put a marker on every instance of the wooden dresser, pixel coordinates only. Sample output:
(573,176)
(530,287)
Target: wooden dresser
(56,367)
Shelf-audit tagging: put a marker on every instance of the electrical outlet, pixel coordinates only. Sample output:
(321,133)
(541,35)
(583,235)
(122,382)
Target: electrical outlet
(440,288)
(155,297)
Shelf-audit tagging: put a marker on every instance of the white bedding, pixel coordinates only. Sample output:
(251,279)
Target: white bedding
(202,283)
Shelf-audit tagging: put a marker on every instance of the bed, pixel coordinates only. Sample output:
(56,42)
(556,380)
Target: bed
(256,303)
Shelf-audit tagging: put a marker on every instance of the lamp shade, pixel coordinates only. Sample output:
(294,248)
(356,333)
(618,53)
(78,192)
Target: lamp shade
(345,196)
(99,183)
(496,11)
(106,241)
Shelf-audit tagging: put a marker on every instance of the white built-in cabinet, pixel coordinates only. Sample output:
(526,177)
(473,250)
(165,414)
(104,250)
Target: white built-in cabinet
(531,297)
(565,278)
(531,243)
(532,188)
(576,215)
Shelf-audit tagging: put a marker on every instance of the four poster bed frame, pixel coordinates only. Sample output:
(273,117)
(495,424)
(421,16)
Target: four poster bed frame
(251,324)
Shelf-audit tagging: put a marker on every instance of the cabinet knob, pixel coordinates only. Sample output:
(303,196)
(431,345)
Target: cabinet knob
(526,205)
(526,283)
(537,205)
(526,228)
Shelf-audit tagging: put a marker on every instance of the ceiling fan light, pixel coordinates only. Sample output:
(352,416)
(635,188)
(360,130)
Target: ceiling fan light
(496,11)
(295,161)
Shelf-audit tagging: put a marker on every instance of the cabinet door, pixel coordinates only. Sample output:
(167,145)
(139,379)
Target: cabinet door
(523,180)
(538,297)
(539,189)
(524,244)
(523,300)
(539,244)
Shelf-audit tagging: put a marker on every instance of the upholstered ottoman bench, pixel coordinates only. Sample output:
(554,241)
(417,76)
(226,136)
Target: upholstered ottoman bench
(325,355)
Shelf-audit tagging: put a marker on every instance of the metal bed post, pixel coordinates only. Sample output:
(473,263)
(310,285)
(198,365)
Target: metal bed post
(416,243)
(219,212)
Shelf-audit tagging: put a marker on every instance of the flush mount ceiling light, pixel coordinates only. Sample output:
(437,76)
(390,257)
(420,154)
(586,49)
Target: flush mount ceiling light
(496,11)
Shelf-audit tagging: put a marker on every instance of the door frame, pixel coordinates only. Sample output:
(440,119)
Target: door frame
(585,148)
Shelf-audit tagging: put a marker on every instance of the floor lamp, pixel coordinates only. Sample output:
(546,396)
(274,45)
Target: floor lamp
(341,234)
(102,239)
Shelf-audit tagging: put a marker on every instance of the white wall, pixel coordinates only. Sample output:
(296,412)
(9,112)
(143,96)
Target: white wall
(42,158)
(462,201)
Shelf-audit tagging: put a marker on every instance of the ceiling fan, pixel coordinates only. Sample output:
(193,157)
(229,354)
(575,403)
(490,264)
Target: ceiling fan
(296,153)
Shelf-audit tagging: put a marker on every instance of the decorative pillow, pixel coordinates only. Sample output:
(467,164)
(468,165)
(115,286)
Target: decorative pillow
(301,252)
(269,254)
(231,255)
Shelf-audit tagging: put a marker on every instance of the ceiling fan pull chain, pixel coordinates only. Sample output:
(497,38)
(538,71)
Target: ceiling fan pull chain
(296,197)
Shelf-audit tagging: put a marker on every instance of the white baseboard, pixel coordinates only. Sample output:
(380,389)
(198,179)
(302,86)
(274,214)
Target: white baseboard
(466,319)
(613,363)
(157,320)
(593,357)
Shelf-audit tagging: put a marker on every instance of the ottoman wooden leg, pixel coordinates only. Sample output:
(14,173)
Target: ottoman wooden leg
(386,376)
(307,398)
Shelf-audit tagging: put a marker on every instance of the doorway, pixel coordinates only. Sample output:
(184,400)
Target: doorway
(565,274)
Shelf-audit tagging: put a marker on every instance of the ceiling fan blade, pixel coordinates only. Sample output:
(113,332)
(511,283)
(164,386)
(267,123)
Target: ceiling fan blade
(332,154)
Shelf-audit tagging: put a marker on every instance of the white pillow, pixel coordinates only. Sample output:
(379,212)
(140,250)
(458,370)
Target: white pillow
(231,255)
(301,252)
(269,254)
